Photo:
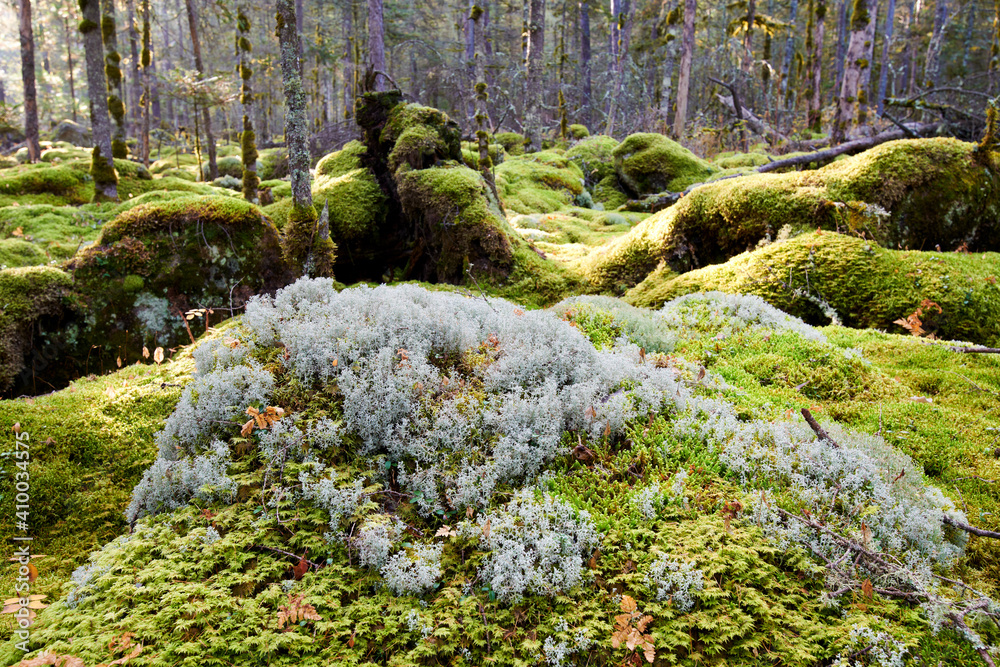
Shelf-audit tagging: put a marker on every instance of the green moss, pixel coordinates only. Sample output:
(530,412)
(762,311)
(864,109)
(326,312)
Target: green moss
(27,294)
(102,173)
(734,160)
(405,117)
(357,206)
(933,190)
(273,163)
(61,183)
(609,193)
(594,156)
(538,183)
(57,231)
(340,162)
(419,146)
(230,165)
(512,142)
(577,131)
(650,163)
(867,286)
(16,253)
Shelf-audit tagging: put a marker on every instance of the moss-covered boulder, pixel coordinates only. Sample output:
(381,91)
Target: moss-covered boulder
(156,261)
(822,276)
(73,133)
(731,160)
(44,184)
(540,182)
(17,252)
(578,131)
(420,137)
(594,156)
(458,221)
(648,163)
(341,162)
(609,193)
(917,193)
(512,142)
(29,296)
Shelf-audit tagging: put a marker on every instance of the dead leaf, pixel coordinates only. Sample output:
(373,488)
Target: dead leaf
(296,611)
(119,362)
(300,568)
(32,573)
(701,374)
(866,588)
(145,352)
(444,531)
(17,428)
(866,534)
(18,232)
(922,399)
(628,604)
(486,529)
(158,355)
(590,412)
(335,362)
(53,659)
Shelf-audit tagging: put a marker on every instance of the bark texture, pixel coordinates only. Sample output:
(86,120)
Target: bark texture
(535,56)
(102,166)
(862,33)
(586,94)
(684,77)
(816,36)
(113,72)
(376,44)
(28,78)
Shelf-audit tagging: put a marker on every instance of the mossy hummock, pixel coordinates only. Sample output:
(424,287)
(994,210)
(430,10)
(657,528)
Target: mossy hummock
(916,193)
(648,163)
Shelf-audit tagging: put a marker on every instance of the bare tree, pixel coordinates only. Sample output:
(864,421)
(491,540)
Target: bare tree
(883,74)
(814,46)
(376,44)
(28,77)
(748,36)
(684,77)
(586,94)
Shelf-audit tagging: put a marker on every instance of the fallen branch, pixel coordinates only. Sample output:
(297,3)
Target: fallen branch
(856,146)
(976,350)
(970,529)
(817,429)
(286,553)
(753,122)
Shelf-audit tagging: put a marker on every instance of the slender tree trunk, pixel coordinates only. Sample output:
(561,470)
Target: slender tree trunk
(69,65)
(786,67)
(482,115)
(994,49)
(616,10)
(815,91)
(28,77)
(376,44)
(146,62)
(112,68)
(970,24)
(586,100)
(932,65)
(470,56)
(910,66)
(619,71)
(102,166)
(684,77)
(248,143)
(206,117)
(535,57)
(347,63)
(135,83)
(883,75)
(748,37)
(864,89)
(862,32)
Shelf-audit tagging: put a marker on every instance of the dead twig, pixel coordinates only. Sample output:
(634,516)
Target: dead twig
(817,429)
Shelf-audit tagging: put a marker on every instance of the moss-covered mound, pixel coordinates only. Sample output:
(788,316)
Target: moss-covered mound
(419,136)
(17,252)
(340,162)
(156,261)
(648,163)
(28,295)
(824,275)
(512,142)
(44,184)
(540,182)
(594,156)
(474,484)
(730,160)
(916,193)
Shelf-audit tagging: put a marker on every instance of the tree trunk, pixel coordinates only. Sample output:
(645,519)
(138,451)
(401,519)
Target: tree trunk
(69,65)
(470,65)
(135,83)
(786,67)
(28,77)
(102,166)
(932,65)
(865,88)
(586,101)
(748,37)
(616,9)
(376,44)
(619,71)
(815,38)
(112,68)
(248,144)
(684,77)
(206,117)
(146,63)
(883,75)
(347,63)
(910,64)
(994,49)
(841,47)
(862,31)
(535,64)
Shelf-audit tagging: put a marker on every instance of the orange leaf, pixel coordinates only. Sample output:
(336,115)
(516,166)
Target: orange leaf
(300,568)
(17,232)
(486,529)
(247,429)
(867,589)
(119,362)
(32,573)
(628,604)
(649,652)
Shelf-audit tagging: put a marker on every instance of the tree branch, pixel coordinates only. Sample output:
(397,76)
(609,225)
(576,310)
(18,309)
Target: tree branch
(817,429)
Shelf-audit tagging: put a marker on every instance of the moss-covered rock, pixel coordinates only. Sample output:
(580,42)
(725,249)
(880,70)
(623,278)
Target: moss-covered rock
(578,131)
(28,295)
(538,183)
(470,154)
(340,162)
(230,165)
(419,136)
(512,142)
(273,163)
(648,163)
(823,274)
(731,160)
(190,252)
(458,221)
(73,133)
(56,230)
(608,192)
(44,184)
(594,156)
(919,193)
